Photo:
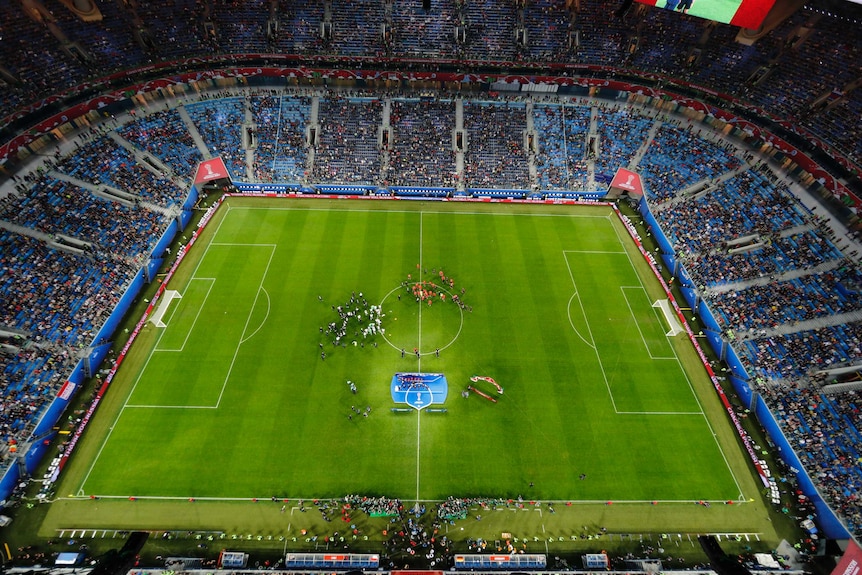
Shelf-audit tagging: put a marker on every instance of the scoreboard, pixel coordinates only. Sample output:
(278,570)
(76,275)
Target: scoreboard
(744,13)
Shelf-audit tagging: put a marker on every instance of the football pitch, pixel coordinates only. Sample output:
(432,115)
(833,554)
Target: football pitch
(245,392)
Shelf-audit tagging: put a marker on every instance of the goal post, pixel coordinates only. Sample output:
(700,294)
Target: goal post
(670,317)
(164,303)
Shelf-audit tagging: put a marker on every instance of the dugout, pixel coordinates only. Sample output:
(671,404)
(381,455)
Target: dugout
(525,562)
(332,561)
(232,560)
(596,561)
(69,559)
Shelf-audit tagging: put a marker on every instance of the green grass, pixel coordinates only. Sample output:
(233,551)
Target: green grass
(720,10)
(231,401)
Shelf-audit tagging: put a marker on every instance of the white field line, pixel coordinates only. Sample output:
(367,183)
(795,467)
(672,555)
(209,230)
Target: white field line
(419,359)
(637,324)
(590,331)
(442,212)
(197,315)
(248,319)
(525,508)
(418,437)
(419,346)
(143,370)
(688,381)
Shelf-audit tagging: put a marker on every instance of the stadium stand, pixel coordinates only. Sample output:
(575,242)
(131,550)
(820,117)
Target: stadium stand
(356,28)
(490,29)
(677,158)
(547,30)
(562,156)
(420,33)
(495,154)
(280,151)
(298,29)
(174,28)
(166,136)
(749,203)
(219,123)
(102,161)
(347,151)
(620,135)
(57,207)
(241,23)
(825,430)
(422,153)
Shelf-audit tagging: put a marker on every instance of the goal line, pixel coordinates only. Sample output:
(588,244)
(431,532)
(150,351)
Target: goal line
(164,303)
(669,316)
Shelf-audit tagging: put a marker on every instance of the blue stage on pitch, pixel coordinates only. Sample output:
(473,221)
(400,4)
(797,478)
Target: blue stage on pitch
(419,390)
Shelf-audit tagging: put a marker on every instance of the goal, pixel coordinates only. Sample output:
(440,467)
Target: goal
(669,316)
(164,303)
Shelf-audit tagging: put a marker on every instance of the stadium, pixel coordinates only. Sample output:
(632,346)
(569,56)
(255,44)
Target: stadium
(443,285)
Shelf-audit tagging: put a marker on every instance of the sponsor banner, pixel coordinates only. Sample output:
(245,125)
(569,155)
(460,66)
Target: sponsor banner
(211,170)
(66,391)
(628,181)
(850,562)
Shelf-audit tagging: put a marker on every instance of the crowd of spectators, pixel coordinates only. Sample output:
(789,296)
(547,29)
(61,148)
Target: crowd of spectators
(57,207)
(808,55)
(825,433)
(547,25)
(748,204)
(373,506)
(175,28)
(356,28)
(348,151)
(165,135)
(105,44)
(840,122)
(298,27)
(219,123)
(777,303)
(58,296)
(34,58)
(798,355)
(495,155)
(561,160)
(677,158)
(101,161)
(422,152)
(280,123)
(621,133)
(241,23)
(783,254)
(490,29)
(32,373)
(422,33)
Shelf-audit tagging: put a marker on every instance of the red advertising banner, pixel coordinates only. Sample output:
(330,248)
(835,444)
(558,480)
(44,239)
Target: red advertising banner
(628,180)
(211,170)
(849,564)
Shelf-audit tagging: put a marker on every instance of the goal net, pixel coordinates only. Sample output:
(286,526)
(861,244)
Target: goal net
(164,303)
(669,317)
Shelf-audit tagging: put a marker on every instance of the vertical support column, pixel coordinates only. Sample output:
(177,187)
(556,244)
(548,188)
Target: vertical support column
(460,144)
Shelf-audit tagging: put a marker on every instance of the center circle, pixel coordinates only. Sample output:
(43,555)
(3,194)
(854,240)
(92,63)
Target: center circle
(419,325)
